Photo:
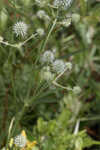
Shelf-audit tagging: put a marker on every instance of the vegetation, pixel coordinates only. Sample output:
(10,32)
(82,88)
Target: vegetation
(49,75)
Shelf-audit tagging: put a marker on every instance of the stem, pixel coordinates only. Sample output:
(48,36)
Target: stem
(19,44)
(90,119)
(32,36)
(54,23)
(18,118)
(57,84)
(9,131)
(76,127)
(13,86)
(8,44)
(46,40)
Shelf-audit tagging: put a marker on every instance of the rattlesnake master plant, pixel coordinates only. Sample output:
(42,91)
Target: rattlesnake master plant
(20,28)
(28,91)
(63,4)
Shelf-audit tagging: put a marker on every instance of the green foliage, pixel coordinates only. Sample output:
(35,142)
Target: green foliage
(56,134)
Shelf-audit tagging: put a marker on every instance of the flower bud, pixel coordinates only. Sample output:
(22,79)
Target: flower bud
(3,18)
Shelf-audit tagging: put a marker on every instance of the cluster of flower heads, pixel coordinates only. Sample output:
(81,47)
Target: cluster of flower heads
(64,4)
(20,29)
(57,65)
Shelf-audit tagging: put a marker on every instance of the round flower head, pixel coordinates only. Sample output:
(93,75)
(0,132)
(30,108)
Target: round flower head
(47,57)
(76,89)
(20,141)
(40,31)
(20,28)
(42,15)
(64,4)
(68,65)
(58,66)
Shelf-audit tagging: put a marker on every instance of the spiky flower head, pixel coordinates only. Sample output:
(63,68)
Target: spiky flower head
(20,28)
(58,66)
(64,4)
(20,141)
(47,57)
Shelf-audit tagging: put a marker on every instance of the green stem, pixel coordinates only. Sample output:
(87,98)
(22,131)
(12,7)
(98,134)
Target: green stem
(90,119)
(16,124)
(42,48)
(54,23)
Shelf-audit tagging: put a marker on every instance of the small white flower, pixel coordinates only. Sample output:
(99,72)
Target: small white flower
(42,15)
(68,65)
(20,28)
(20,141)
(76,89)
(64,4)
(47,57)
(58,66)
(40,31)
